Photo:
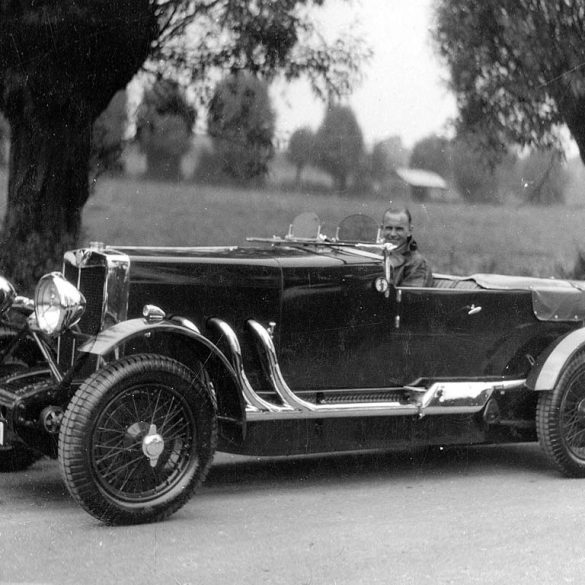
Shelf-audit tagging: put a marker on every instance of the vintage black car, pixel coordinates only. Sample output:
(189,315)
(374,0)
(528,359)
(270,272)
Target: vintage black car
(138,363)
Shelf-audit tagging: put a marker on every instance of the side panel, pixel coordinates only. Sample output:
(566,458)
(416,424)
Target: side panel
(461,333)
(337,331)
(231,290)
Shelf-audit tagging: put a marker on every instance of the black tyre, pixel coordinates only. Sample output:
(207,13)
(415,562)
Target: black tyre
(137,438)
(560,420)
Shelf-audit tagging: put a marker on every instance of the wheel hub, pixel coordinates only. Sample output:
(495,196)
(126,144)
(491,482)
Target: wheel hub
(153,445)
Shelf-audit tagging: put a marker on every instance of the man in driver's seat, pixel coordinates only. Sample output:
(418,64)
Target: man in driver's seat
(409,267)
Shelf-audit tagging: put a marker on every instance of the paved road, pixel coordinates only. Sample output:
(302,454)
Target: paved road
(480,515)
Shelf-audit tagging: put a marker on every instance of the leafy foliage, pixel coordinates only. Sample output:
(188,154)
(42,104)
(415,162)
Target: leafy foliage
(263,37)
(473,176)
(164,126)
(61,62)
(461,161)
(432,153)
(241,122)
(516,67)
(543,177)
(387,155)
(339,145)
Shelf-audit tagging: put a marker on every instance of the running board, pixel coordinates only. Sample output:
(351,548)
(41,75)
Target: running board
(461,397)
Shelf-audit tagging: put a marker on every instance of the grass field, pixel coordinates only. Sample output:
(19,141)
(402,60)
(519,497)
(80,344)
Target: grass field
(457,238)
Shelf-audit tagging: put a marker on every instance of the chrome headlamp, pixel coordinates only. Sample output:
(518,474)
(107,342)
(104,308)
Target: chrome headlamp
(7,294)
(58,304)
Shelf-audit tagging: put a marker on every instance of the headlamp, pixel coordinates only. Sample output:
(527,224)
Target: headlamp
(7,294)
(58,304)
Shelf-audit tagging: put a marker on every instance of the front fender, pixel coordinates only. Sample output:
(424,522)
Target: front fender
(549,365)
(120,334)
(231,402)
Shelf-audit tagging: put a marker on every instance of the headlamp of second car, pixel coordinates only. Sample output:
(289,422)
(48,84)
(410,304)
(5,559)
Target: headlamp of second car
(58,304)
(7,294)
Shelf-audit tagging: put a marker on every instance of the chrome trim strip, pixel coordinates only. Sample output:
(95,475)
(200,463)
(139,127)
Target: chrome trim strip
(440,398)
(254,402)
(338,411)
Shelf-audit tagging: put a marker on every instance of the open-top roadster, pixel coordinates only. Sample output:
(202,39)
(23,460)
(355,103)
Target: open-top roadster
(151,359)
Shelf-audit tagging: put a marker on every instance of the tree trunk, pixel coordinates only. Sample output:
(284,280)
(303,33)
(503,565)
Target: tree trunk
(47,188)
(573,112)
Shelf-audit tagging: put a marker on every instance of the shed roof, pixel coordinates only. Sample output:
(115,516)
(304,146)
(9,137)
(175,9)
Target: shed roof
(422,178)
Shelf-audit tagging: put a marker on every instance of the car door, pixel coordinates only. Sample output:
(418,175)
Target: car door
(457,333)
(336,330)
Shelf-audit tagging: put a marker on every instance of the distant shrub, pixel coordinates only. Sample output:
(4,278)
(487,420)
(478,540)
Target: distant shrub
(339,145)
(432,153)
(300,150)
(164,128)
(241,123)
(577,270)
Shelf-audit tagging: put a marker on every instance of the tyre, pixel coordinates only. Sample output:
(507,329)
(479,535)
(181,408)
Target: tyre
(560,420)
(137,439)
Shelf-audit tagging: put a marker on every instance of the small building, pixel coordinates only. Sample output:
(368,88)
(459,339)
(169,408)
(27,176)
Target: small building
(425,185)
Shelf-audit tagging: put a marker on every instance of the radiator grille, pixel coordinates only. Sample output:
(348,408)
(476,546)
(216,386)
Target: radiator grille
(91,281)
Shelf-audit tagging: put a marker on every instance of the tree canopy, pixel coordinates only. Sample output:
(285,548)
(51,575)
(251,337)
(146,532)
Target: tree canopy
(62,62)
(516,67)
(339,145)
(241,122)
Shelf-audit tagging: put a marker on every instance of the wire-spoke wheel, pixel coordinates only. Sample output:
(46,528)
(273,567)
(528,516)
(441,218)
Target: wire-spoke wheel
(137,438)
(560,420)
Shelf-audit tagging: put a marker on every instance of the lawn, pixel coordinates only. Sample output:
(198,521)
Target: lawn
(457,238)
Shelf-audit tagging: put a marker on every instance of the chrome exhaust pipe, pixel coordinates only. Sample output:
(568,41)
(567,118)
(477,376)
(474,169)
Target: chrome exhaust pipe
(253,401)
(272,369)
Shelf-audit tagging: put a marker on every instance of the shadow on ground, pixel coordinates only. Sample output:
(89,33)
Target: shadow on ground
(250,473)
(43,481)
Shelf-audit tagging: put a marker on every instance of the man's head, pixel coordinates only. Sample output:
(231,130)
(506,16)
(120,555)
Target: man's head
(397,226)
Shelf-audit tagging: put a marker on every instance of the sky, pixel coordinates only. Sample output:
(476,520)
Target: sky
(404,91)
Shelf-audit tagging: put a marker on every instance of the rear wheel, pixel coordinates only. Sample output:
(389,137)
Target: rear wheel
(560,419)
(137,438)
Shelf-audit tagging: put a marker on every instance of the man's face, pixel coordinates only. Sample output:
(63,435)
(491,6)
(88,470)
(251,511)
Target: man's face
(396,229)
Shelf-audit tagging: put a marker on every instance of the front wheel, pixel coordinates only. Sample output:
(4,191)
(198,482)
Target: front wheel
(137,438)
(560,420)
